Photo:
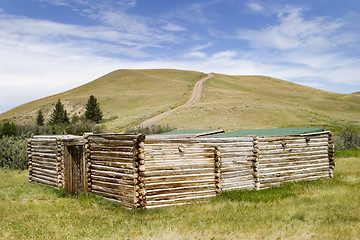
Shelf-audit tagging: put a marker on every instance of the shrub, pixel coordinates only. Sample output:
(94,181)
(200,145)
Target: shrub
(13,152)
(153,129)
(80,125)
(348,137)
(7,129)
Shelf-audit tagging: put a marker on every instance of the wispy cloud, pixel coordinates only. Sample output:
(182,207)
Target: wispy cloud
(255,6)
(173,27)
(294,31)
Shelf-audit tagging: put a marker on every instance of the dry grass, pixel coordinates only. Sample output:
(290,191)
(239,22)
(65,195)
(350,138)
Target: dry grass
(125,96)
(228,102)
(234,102)
(322,209)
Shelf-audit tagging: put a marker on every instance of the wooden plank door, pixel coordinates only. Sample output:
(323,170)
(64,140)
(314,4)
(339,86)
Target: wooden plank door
(74,163)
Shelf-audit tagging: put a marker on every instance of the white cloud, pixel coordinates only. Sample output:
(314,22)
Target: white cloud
(195,54)
(201,47)
(173,27)
(256,7)
(225,54)
(294,31)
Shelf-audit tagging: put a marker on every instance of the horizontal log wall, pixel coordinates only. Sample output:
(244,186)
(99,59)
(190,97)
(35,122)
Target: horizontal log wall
(111,166)
(292,158)
(237,158)
(163,171)
(45,161)
(178,171)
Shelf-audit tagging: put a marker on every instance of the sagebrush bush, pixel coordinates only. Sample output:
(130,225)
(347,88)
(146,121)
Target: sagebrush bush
(79,125)
(153,129)
(348,137)
(13,152)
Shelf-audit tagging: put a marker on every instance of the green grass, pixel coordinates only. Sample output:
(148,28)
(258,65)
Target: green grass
(348,153)
(322,209)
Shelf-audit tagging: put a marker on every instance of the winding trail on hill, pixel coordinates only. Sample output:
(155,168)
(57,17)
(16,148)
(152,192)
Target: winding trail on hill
(195,97)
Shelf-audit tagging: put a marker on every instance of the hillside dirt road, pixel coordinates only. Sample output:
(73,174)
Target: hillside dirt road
(195,96)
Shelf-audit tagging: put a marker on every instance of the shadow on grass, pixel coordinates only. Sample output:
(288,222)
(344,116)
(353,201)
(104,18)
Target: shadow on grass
(284,191)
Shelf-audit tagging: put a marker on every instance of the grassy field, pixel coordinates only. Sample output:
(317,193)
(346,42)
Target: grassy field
(234,102)
(322,209)
(229,102)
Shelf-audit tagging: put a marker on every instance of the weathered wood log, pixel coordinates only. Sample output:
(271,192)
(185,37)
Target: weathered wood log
(242,187)
(272,181)
(141,144)
(184,166)
(43,181)
(48,156)
(294,150)
(41,165)
(187,189)
(294,177)
(290,154)
(141,156)
(184,183)
(121,176)
(114,197)
(112,164)
(190,177)
(274,175)
(179,198)
(142,168)
(112,169)
(112,159)
(113,136)
(291,158)
(270,164)
(114,154)
(154,173)
(233,174)
(175,150)
(291,138)
(44,161)
(294,168)
(50,172)
(118,193)
(44,177)
(123,190)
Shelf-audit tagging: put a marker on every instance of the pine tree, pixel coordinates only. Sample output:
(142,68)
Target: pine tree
(40,118)
(59,115)
(93,111)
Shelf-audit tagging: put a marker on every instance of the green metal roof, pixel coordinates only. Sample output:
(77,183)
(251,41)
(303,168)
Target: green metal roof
(268,132)
(188,131)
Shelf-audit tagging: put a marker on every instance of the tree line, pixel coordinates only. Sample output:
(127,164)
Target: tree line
(60,115)
(13,138)
(59,122)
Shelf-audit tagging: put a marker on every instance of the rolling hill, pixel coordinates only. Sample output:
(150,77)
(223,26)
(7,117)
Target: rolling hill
(229,102)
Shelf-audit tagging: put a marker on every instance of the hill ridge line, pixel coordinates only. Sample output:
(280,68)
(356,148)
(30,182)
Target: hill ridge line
(195,97)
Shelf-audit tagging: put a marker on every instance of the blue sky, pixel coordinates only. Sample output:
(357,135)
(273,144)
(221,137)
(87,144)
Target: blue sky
(49,46)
